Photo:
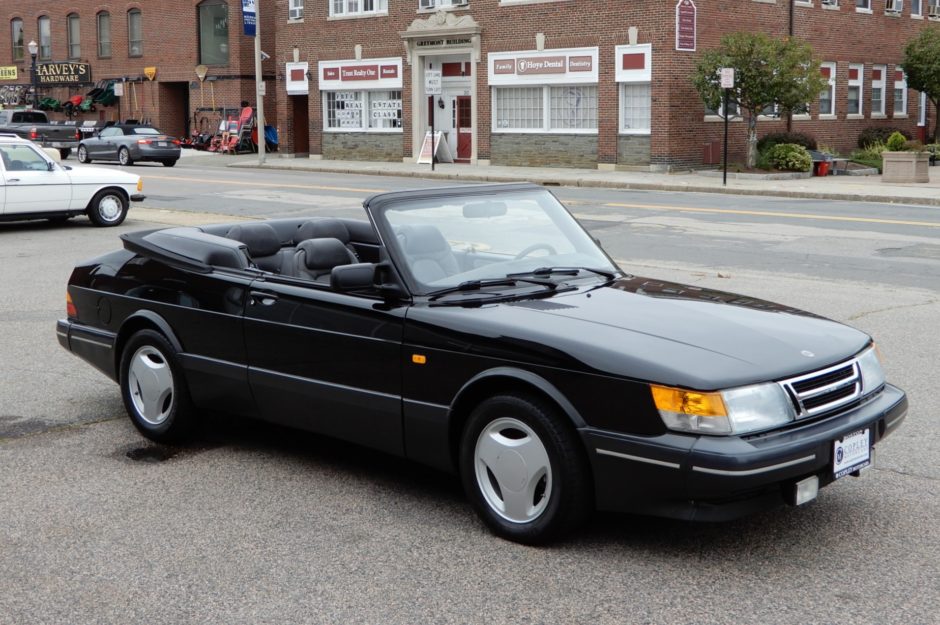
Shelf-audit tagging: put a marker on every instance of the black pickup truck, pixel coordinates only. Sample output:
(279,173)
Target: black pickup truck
(35,126)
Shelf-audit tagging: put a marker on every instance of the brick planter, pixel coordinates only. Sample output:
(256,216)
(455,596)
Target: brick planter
(905,167)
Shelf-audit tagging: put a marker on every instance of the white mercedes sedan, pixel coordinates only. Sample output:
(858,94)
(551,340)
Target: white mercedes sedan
(33,185)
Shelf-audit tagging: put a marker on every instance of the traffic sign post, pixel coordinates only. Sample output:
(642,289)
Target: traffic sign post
(727,83)
(432,86)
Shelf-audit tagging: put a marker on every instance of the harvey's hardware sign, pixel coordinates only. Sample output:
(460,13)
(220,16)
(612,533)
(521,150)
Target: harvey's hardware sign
(63,73)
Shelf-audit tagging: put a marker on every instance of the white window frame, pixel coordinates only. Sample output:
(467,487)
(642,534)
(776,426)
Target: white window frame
(546,128)
(894,8)
(622,101)
(73,39)
(863,6)
(916,10)
(379,7)
(434,5)
(852,83)
(633,77)
(364,99)
(295,10)
(832,91)
(882,85)
(932,7)
(900,84)
(719,113)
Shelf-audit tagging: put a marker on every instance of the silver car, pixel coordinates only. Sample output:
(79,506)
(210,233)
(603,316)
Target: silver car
(127,144)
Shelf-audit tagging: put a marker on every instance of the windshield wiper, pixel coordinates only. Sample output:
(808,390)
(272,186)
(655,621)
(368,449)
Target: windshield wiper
(476,285)
(565,271)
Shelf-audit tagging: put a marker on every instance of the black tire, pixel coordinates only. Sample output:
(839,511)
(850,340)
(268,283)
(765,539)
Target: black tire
(169,163)
(561,499)
(83,154)
(108,208)
(64,153)
(124,157)
(149,365)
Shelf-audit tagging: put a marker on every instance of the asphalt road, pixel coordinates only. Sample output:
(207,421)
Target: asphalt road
(252,524)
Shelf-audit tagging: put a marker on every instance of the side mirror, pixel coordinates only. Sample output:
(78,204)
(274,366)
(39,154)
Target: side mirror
(353,277)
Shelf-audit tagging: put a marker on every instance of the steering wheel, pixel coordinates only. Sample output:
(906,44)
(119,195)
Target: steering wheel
(534,247)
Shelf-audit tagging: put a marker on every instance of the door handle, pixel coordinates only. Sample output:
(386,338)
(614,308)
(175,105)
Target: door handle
(259,297)
(13,179)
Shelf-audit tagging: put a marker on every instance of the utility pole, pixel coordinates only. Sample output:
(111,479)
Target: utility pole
(259,84)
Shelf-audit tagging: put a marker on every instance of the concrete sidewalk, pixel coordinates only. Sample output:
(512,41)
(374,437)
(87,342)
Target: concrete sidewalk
(851,188)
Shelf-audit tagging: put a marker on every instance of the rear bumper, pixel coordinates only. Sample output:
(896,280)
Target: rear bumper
(90,344)
(714,478)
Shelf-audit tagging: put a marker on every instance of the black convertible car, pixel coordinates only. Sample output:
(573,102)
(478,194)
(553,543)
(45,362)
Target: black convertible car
(481,330)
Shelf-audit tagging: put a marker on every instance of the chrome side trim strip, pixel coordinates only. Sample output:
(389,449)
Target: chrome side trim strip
(744,472)
(425,403)
(894,421)
(617,454)
(82,339)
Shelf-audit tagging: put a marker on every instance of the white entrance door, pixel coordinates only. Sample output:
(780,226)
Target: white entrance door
(455,83)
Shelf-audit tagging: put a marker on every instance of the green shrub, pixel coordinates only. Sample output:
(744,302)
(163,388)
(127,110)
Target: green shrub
(776,138)
(895,142)
(870,156)
(790,157)
(878,134)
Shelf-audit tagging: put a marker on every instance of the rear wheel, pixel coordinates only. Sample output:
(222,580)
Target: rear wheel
(108,208)
(524,470)
(153,388)
(64,153)
(124,157)
(83,154)
(169,163)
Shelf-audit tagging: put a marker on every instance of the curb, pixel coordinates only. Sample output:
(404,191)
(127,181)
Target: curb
(602,184)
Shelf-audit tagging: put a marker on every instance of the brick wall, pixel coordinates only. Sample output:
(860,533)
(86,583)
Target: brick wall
(362,146)
(544,150)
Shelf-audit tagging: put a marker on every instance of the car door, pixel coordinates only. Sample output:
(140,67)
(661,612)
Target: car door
(325,361)
(104,147)
(29,183)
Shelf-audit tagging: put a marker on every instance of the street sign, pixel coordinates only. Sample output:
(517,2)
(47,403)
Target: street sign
(727,77)
(249,16)
(432,82)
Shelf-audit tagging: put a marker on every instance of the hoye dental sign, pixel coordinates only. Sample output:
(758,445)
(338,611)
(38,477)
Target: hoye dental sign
(574,65)
(63,73)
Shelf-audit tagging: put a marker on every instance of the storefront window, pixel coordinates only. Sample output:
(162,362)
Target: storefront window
(635,108)
(213,33)
(519,108)
(16,28)
(362,110)
(563,107)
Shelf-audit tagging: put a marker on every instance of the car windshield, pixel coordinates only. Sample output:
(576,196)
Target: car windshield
(455,240)
(146,131)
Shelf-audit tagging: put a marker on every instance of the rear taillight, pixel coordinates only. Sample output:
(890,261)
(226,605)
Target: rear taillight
(33,134)
(144,142)
(176,141)
(70,309)
(78,135)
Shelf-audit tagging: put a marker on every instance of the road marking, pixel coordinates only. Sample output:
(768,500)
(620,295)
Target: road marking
(277,185)
(731,211)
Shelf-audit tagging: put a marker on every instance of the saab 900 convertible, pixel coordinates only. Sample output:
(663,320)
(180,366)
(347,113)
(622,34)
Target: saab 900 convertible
(481,330)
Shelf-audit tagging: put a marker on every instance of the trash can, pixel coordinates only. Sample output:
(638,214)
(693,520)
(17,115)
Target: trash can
(821,168)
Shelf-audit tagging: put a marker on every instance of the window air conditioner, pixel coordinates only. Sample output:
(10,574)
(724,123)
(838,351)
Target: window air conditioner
(933,11)
(459,3)
(894,6)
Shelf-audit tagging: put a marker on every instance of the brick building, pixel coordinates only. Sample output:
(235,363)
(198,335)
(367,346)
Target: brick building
(585,83)
(151,49)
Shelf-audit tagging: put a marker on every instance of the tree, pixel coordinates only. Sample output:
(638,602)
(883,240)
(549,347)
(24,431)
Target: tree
(767,72)
(922,65)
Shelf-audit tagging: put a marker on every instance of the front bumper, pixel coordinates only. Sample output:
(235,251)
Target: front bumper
(138,197)
(724,477)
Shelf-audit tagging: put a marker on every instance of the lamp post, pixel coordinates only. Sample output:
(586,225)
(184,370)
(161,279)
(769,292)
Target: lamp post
(33,48)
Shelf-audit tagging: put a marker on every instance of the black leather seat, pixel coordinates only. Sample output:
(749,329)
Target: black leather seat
(325,229)
(429,254)
(314,259)
(264,246)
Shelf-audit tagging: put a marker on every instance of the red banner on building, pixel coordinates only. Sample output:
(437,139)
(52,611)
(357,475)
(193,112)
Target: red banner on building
(685,26)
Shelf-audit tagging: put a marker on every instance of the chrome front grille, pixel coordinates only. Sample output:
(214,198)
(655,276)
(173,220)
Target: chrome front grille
(825,390)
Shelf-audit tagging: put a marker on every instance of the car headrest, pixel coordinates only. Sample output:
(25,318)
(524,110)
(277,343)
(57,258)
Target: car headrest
(261,238)
(323,229)
(320,254)
(424,239)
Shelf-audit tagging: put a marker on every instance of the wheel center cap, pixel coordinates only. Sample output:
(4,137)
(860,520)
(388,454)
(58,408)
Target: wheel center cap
(511,470)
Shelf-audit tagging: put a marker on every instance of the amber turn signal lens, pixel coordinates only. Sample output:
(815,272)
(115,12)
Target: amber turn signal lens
(688,402)
(70,309)
(419,359)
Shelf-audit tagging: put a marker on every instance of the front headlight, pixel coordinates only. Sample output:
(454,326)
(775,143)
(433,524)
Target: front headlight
(733,411)
(873,377)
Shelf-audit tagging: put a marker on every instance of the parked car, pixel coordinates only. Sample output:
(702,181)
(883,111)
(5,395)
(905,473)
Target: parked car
(129,143)
(34,186)
(482,330)
(35,126)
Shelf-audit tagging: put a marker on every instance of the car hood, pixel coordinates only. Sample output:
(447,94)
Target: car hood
(656,331)
(101,175)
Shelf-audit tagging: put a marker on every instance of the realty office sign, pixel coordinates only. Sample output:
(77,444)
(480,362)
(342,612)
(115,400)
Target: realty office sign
(56,74)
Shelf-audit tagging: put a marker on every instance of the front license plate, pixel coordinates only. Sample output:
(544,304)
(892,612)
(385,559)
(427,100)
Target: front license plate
(851,453)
